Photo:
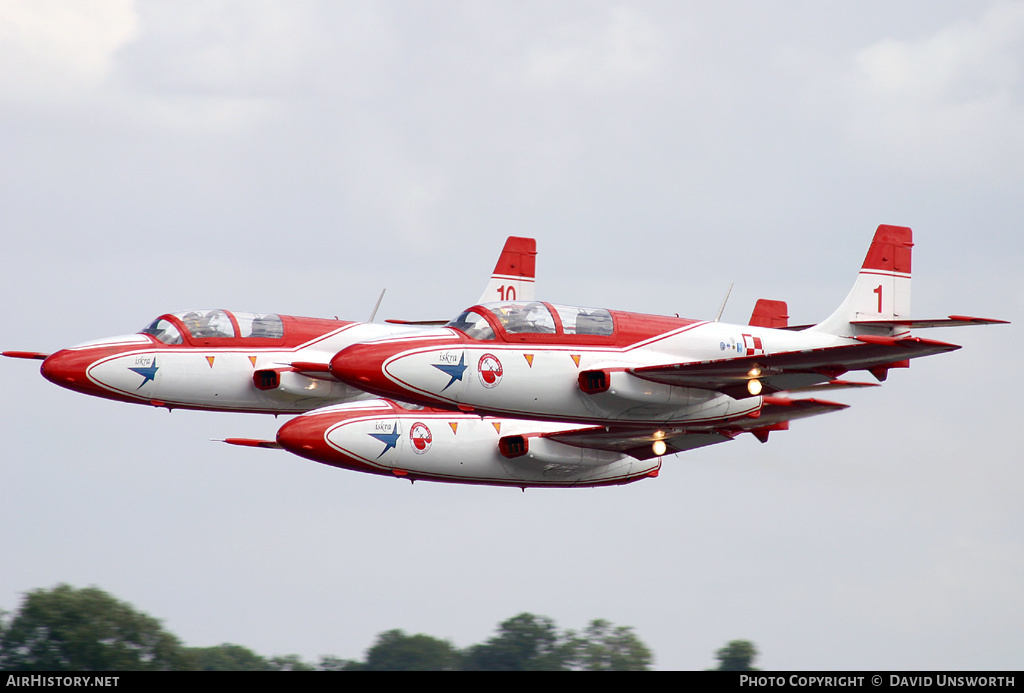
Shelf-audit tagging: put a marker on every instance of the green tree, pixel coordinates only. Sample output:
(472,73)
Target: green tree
(523,643)
(289,663)
(224,657)
(332,663)
(67,629)
(64,629)
(396,651)
(737,655)
(603,647)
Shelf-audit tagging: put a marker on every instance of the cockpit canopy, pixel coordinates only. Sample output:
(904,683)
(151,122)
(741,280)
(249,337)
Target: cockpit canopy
(215,324)
(533,317)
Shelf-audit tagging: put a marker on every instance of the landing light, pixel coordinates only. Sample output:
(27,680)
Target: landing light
(659,447)
(754,387)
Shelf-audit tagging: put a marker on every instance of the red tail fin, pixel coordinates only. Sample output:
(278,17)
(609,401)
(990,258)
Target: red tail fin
(769,313)
(514,274)
(890,250)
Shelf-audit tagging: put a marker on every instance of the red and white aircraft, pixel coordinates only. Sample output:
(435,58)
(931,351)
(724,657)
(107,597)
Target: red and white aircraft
(619,383)
(221,360)
(411,442)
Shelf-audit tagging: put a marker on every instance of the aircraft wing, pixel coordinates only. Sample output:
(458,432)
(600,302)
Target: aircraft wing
(794,369)
(775,415)
(637,443)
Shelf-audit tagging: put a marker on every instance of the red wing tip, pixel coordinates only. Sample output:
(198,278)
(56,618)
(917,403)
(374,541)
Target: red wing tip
(787,402)
(827,403)
(25,355)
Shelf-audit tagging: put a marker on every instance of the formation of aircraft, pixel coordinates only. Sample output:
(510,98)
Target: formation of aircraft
(516,391)
(221,360)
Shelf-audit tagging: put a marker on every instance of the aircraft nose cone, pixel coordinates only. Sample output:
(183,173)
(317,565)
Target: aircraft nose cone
(301,435)
(306,436)
(360,365)
(67,369)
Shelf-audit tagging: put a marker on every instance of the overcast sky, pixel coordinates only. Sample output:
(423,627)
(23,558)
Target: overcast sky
(298,157)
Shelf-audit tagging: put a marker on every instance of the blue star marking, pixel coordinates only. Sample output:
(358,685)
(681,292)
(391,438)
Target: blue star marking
(453,372)
(148,373)
(389,439)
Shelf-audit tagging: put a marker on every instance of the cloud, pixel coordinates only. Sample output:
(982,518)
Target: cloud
(949,102)
(628,46)
(964,62)
(55,49)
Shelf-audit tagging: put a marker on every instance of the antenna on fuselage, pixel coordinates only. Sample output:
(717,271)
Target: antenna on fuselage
(379,299)
(724,301)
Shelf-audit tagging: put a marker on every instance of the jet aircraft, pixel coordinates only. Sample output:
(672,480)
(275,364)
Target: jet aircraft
(627,383)
(412,442)
(222,360)
(419,443)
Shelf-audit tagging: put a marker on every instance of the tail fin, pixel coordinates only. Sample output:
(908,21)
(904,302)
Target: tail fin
(768,313)
(514,274)
(882,289)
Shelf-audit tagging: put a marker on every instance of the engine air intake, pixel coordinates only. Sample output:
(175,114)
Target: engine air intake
(513,446)
(593,382)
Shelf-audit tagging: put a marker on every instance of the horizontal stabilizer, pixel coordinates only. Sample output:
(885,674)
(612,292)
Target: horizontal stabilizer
(951,321)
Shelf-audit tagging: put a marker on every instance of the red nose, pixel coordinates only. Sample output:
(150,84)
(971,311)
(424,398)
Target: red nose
(361,366)
(67,368)
(302,436)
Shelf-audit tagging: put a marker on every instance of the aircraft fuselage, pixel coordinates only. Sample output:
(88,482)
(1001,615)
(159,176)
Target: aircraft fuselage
(576,378)
(382,437)
(283,373)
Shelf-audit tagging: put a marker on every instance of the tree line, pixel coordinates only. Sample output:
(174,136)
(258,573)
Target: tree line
(69,629)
